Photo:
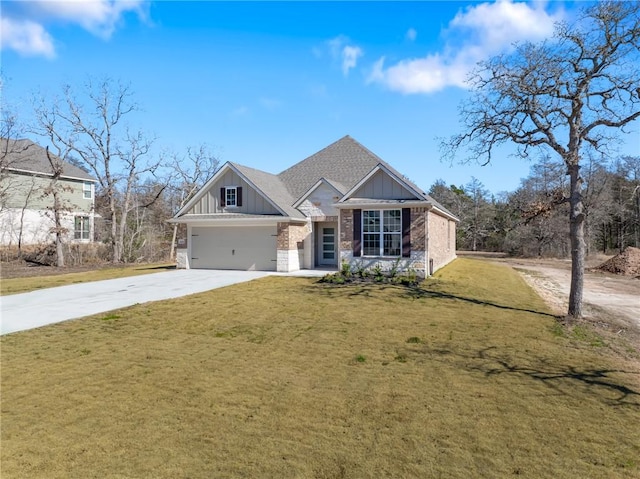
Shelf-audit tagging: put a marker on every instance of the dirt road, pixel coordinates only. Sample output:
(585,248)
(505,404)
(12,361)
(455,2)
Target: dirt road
(608,296)
(616,295)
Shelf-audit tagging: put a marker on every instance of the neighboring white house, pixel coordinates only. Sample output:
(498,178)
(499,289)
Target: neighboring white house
(26,210)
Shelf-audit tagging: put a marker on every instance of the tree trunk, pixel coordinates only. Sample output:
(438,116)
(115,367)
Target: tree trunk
(576,234)
(117,251)
(59,251)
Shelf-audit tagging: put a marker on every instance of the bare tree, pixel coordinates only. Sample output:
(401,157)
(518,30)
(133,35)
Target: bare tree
(188,172)
(575,91)
(94,127)
(10,148)
(59,207)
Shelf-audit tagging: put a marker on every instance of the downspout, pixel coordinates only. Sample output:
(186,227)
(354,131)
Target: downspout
(189,241)
(427,255)
(338,240)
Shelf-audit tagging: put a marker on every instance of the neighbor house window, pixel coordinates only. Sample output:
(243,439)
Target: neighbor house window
(87,190)
(381,232)
(82,228)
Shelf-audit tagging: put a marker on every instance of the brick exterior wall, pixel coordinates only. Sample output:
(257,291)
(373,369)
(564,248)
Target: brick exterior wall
(283,236)
(418,229)
(346,230)
(297,234)
(290,245)
(442,240)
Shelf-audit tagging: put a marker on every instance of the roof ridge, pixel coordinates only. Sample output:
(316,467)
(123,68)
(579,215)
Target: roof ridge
(318,153)
(32,158)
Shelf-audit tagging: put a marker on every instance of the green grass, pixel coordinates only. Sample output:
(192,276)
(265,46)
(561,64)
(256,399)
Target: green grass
(263,379)
(24,285)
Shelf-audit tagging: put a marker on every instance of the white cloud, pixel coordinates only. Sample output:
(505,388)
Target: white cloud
(350,57)
(485,29)
(24,26)
(411,34)
(25,37)
(99,17)
(342,50)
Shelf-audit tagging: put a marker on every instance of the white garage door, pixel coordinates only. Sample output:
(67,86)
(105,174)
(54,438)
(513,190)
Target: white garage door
(245,248)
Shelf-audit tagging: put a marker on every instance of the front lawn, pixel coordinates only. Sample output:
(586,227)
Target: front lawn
(26,284)
(468,376)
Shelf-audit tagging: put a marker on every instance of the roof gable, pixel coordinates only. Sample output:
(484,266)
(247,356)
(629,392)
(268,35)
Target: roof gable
(259,181)
(382,184)
(29,157)
(307,194)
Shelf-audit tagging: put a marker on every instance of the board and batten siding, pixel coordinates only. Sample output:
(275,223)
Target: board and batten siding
(252,201)
(382,187)
(25,190)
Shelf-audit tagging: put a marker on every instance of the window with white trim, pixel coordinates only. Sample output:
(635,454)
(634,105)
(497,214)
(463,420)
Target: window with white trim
(82,228)
(231,196)
(87,190)
(381,232)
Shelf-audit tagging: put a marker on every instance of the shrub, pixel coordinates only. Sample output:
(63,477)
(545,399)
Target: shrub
(346,269)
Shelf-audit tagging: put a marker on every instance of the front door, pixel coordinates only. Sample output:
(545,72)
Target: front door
(328,253)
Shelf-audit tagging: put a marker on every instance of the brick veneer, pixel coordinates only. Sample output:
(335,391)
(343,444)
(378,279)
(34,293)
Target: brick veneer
(346,229)
(418,231)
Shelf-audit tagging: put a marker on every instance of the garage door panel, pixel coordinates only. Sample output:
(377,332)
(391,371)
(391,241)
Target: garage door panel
(242,248)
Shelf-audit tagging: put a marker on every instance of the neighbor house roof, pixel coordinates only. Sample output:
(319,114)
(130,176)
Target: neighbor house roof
(27,156)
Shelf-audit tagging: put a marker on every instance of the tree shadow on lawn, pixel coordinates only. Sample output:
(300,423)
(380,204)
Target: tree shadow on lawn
(416,292)
(561,378)
(420,293)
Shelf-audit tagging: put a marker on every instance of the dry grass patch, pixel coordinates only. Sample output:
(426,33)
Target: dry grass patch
(26,284)
(289,378)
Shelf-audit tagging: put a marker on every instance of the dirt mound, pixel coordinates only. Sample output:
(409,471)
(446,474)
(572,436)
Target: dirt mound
(626,263)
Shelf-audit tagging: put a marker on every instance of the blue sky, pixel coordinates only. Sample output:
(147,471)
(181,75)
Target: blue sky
(267,84)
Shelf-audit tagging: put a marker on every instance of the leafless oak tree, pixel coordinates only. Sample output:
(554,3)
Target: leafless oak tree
(94,127)
(573,92)
(59,207)
(188,173)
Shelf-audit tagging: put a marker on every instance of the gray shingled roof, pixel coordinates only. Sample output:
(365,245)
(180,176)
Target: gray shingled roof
(26,155)
(272,187)
(343,163)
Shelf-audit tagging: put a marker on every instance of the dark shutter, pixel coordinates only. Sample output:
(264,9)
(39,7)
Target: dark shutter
(406,232)
(223,197)
(357,233)
(239,196)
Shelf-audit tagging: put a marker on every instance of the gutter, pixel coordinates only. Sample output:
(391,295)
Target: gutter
(253,221)
(42,173)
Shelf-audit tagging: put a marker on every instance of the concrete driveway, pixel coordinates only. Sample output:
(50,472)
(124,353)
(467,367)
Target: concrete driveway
(47,306)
